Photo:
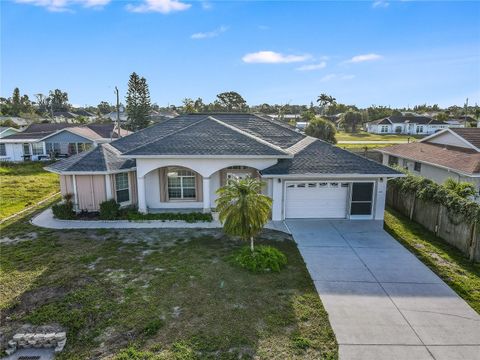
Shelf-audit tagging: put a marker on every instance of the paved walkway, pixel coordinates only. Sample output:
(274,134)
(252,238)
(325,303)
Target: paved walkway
(45,219)
(383,303)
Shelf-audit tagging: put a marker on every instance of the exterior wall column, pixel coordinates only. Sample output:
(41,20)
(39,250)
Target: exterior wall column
(380,198)
(75,195)
(206,194)
(142,200)
(108,187)
(277,197)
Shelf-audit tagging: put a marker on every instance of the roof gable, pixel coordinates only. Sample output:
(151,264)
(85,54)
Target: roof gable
(468,138)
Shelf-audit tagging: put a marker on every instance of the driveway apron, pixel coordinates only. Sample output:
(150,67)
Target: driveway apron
(383,303)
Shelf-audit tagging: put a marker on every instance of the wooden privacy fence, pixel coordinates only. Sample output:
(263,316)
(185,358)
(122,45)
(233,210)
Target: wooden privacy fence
(438,219)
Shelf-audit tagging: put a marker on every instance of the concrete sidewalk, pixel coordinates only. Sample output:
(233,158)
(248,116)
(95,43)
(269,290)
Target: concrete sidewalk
(45,219)
(383,303)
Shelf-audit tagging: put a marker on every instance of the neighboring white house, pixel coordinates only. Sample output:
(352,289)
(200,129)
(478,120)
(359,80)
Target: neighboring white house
(451,153)
(181,163)
(406,124)
(44,141)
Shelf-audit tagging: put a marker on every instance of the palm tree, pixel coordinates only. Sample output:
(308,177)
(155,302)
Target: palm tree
(323,100)
(243,210)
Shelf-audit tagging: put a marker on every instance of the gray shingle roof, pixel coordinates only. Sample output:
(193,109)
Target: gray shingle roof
(99,159)
(322,158)
(207,137)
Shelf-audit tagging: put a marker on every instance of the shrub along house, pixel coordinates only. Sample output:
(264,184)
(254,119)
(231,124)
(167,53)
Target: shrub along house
(180,163)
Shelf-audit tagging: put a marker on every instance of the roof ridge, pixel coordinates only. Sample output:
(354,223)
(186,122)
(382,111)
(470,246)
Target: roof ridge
(254,137)
(302,144)
(79,156)
(166,136)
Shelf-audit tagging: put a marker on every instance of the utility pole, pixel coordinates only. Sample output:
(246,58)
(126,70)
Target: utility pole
(117,125)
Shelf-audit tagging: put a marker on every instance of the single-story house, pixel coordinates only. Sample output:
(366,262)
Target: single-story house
(406,124)
(451,153)
(180,164)
(42,141)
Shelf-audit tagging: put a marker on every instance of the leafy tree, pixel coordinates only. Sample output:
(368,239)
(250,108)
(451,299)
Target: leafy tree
(231,101)
(378,112)
(43,103)
(138,102)
(198,105)
(461,188)
(16,102)
(188,105)
(308,115)
(105,108)
(9,123)
(441,117)
(322,129)
(58,100)
(351,119)
(243,210)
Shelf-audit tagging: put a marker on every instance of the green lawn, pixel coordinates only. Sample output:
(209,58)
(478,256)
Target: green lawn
(365,136)
(23,185)
(445,260)
(160,294)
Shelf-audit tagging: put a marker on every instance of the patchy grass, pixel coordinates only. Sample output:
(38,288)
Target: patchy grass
(445,260)
(365,136)
(23,185)
(161,294)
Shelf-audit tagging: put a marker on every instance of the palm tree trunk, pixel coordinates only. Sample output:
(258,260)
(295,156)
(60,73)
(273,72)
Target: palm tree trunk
(251,244)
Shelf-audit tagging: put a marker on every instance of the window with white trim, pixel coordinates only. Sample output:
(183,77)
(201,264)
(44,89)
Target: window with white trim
(121,188)
(181,184)
(384,129)
(3,150)
(37,149)
(26,149)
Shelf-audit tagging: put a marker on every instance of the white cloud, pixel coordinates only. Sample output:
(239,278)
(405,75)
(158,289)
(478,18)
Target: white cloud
(161,6)
(272,57)
(209,34)
(363,58)
(311,67)
(380,4)
(330,77)
(64,5)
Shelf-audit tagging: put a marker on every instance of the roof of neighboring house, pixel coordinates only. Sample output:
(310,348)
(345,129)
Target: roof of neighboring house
(103,158)
(455,158)
(83,112)
(401,119)
(65,114)
(90,131)
(472,135)
(319,157)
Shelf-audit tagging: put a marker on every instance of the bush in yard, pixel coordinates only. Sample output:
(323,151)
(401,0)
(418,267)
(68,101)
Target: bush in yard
(263,258)
(109,210)
(64,210)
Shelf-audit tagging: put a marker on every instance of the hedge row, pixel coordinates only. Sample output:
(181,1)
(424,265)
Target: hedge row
(428,190)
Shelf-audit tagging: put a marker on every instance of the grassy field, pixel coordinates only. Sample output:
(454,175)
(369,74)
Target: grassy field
(365,136)
(445,260)
(160,294)
(23,185)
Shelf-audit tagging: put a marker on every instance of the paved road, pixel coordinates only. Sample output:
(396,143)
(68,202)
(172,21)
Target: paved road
(383,303)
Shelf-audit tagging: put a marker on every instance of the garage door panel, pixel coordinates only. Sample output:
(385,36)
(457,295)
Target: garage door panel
(316,200)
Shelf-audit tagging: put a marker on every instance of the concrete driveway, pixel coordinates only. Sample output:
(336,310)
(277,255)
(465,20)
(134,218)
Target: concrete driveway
(383,303)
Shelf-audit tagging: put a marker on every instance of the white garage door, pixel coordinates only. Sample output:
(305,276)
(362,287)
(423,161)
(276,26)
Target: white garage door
(324,200)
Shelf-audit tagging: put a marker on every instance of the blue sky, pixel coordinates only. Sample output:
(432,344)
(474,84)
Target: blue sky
(396,53)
